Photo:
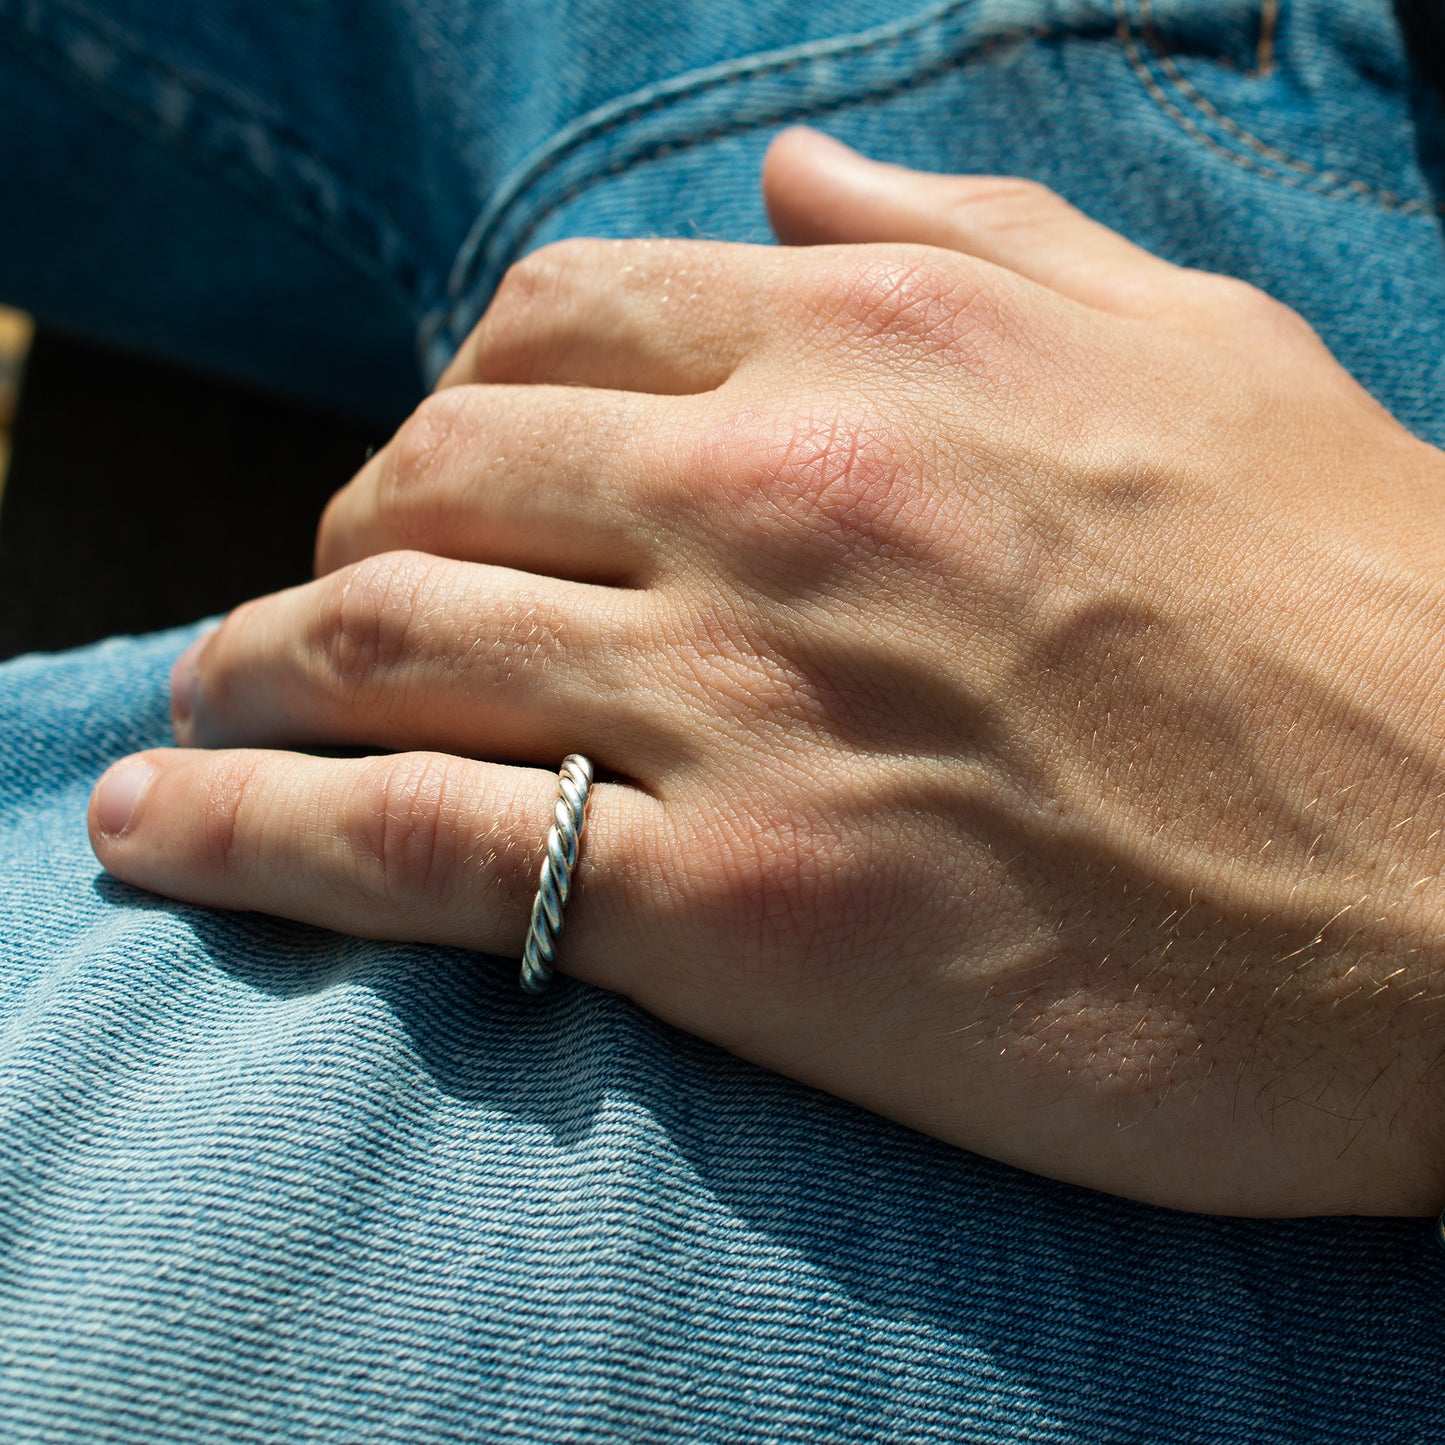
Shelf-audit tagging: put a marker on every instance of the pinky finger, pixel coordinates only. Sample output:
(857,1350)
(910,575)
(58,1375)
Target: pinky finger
(422,847)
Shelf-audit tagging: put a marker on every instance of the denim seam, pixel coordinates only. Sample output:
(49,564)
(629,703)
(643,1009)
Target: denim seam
(1205,106)
(1264,46)
(38,31)
(638,106)
(1332,184)
(675,145)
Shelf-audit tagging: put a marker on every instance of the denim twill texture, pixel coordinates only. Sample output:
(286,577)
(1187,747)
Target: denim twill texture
(260,1182)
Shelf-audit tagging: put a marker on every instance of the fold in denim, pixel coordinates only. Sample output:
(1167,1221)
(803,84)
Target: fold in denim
(263,1182)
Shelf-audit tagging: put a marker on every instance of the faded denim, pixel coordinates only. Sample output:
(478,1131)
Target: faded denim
(260,1182)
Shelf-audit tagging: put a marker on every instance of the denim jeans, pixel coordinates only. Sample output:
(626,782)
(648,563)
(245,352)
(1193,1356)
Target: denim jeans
(262,1182)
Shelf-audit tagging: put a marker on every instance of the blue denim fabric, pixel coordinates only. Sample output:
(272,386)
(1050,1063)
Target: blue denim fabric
(259,1182)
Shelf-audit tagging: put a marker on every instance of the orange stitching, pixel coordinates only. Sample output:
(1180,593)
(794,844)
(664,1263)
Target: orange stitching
(1173,111)
(1336,182)
(1268,23)
(1202,103)
(1264,48)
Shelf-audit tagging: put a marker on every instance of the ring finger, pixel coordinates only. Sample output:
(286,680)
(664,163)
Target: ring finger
(410,650)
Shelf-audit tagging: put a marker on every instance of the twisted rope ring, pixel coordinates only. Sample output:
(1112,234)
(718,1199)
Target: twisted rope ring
(555,881)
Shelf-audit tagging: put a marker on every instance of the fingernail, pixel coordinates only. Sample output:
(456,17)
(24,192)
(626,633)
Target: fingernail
(183,680)
(120,790)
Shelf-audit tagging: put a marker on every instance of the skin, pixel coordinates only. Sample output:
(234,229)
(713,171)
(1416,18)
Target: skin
(1013,663)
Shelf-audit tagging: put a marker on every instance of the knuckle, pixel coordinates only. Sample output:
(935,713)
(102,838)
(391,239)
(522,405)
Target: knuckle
(513,338)
(364,625)
(223,674)
(842,477)
(1243,316)
(404,828)
(230,808)
(850,475)
(407,486)
(540,280)
(923,297)
(1233,292)
(778,874)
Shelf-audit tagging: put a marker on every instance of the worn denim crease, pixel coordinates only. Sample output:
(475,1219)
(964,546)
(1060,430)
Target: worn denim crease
(231,131)
(602,122)
(466,309)
(475,271)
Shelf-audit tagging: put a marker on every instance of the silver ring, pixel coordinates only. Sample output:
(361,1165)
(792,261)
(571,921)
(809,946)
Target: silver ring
(555,882)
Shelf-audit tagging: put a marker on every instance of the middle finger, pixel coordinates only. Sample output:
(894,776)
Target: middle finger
(545,478)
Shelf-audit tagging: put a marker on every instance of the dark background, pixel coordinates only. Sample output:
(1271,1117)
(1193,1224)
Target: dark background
(140,497)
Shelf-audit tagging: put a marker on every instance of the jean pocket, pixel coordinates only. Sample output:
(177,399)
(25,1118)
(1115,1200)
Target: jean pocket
(1310,94)
(1235,35)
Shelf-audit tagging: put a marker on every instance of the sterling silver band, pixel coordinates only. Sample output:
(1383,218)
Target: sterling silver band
(555,882)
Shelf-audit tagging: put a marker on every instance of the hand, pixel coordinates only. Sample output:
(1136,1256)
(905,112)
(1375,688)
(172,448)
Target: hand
(1017,662)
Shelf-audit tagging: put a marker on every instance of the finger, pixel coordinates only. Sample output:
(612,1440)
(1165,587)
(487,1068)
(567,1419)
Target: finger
(547,479)
(670,317)
(410,650)
(415,846)
(818,191)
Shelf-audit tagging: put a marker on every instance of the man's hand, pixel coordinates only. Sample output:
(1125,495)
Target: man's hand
(1019,665)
